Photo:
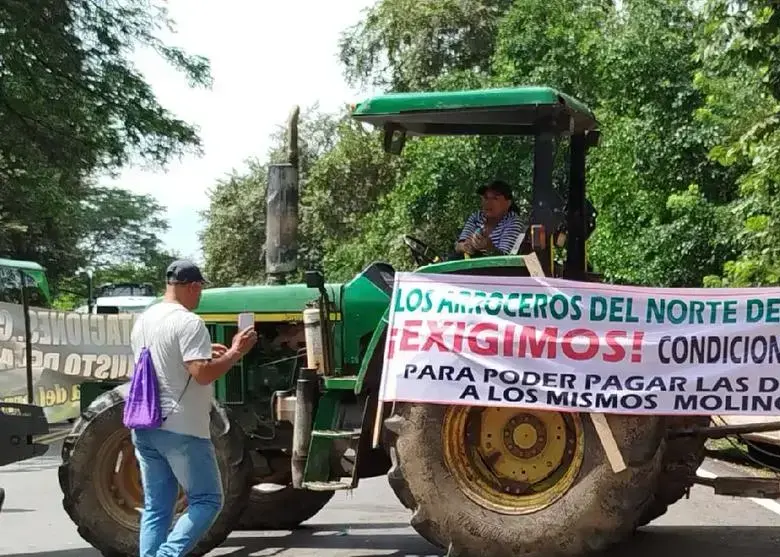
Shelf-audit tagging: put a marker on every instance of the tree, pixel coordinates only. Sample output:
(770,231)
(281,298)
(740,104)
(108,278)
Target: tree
(71,105)
(234,235)
(658,194)
(406,45)
(73,291)
(685,179)
(740,76)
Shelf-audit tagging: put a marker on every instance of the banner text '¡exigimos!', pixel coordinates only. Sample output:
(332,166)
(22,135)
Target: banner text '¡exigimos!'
(510,340)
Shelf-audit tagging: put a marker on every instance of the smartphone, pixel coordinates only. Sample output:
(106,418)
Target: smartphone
(245,320)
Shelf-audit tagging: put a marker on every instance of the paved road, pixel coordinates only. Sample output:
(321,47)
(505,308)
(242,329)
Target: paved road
(371,522)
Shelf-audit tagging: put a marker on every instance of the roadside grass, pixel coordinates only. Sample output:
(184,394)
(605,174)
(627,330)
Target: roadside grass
(758,460)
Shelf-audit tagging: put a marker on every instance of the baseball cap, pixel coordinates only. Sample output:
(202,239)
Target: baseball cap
(183,271)
(498,186)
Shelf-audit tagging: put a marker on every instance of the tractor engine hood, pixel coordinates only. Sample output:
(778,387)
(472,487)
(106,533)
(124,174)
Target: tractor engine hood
(288,301)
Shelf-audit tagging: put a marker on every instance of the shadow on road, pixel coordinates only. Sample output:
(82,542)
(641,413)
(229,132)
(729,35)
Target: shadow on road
(713,541)
(32,465)
(370,540)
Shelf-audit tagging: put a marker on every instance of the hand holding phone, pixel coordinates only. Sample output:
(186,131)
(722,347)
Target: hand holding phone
(244,340)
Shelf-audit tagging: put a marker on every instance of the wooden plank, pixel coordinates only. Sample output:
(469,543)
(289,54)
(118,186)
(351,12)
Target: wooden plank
(607,438)
(600,422)
(533,265)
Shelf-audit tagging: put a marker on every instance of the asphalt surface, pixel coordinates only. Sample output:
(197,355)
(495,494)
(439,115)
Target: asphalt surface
(370,521)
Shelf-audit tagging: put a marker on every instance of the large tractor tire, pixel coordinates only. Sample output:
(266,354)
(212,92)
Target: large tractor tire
(273,507)
(682,458)
(506,482)
(101,484)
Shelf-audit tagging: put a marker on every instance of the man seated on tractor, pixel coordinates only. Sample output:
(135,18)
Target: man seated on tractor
(496,227)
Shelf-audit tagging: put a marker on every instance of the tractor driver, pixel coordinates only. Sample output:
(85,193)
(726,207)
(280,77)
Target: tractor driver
(496,227)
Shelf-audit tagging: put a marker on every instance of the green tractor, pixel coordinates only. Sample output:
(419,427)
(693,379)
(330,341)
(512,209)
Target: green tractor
(295,419)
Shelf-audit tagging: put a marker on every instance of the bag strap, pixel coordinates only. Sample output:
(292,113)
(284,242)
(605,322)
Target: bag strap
(143,338)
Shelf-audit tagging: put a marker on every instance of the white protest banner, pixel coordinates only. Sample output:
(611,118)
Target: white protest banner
(573,346)
(67,349)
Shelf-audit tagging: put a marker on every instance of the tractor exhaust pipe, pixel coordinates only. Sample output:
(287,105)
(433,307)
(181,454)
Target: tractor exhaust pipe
(281,224)
(305,395)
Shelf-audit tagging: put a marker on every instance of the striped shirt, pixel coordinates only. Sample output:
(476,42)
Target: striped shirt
(503,235)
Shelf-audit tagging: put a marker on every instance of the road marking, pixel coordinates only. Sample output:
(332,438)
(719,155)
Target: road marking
(768,504)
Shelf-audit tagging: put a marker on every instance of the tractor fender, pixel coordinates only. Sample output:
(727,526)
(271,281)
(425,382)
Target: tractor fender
(372,359)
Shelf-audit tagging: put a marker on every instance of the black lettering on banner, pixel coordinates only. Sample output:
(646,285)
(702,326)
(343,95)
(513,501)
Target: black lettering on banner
(469,392)
(768,384)
(737,350)
(441,373)
(726,403)
(602,401)
(529,378)
(512,394)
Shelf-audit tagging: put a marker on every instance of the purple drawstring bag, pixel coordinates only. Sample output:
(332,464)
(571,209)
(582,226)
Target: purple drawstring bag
(142,407)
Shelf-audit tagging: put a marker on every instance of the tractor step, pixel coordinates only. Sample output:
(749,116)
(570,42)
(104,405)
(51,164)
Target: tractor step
(353,434)
(762,488)
(328,486)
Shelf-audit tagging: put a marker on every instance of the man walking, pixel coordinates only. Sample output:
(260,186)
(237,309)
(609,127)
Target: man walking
(181,451)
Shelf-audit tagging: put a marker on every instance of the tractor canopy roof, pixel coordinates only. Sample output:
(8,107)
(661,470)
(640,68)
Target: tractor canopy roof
(500,111)
(32,270)
(22,265)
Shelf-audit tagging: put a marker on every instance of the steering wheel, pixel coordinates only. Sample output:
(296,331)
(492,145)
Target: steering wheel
(419,250)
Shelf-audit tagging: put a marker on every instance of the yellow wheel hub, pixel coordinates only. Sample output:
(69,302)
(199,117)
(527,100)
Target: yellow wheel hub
(511,460)
(118,481)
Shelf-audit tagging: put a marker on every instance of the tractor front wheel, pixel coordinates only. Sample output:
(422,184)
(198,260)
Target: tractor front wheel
(101,485)
(510,481)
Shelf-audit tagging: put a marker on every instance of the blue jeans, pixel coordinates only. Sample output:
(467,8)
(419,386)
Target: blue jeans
(166,460)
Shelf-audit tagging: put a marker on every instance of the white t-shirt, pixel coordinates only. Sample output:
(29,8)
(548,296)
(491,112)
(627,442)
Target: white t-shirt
(175,335)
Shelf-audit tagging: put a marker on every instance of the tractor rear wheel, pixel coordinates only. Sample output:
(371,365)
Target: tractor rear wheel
(511,481)
(101,485)
(276,507)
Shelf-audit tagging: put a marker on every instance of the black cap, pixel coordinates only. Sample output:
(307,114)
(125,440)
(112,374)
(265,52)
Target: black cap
(183,271)
(498,186)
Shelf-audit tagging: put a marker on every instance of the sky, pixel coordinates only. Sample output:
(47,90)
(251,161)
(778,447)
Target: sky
(266,56)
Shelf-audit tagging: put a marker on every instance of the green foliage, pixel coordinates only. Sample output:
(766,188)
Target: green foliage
(73,291)
(740,74)
(686,178)
(407,45)
(234,237)
(554,43)
(235,232)
(72,105)
(344,182)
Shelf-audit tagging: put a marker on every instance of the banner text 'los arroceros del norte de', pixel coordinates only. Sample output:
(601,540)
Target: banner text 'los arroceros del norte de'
(573,346)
